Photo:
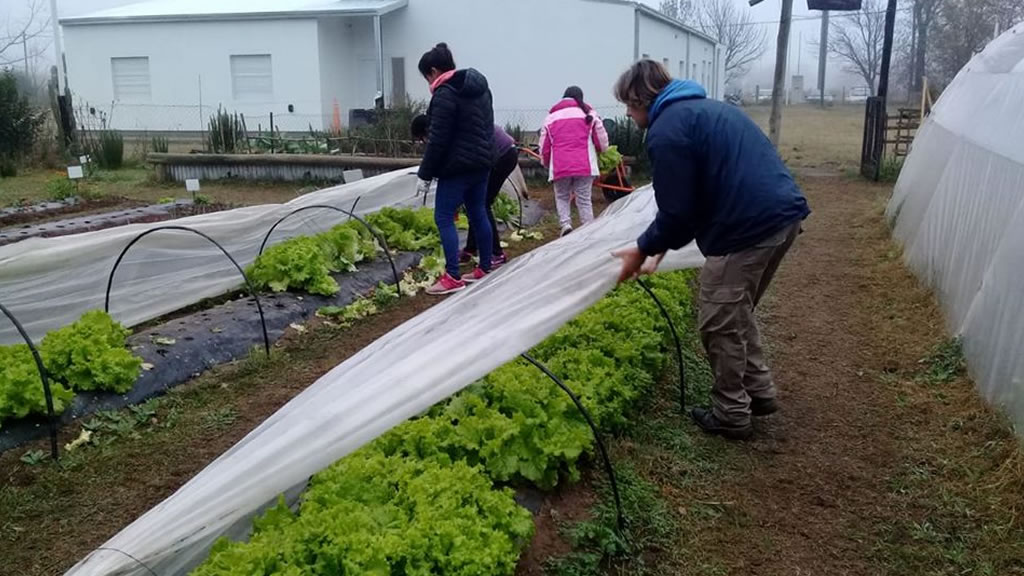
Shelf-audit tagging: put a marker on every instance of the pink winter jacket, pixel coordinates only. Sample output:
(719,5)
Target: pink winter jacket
(568,145)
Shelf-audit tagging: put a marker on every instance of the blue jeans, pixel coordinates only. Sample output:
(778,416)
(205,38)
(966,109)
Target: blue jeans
(471,190)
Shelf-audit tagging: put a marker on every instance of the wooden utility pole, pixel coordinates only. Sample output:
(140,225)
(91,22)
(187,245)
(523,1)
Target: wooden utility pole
(62,79)
(781,56)
(823,56)
(890,32)
(24,47)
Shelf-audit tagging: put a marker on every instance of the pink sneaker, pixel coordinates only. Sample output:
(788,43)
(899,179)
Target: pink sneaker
(446,285)
(475,276)
(465,256)
(497,261)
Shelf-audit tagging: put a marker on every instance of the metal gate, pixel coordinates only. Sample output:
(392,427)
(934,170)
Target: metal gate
(873,151)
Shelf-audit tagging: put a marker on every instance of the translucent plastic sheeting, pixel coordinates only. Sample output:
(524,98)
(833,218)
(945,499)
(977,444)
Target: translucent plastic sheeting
(958,211)
(420,363)
(49,282)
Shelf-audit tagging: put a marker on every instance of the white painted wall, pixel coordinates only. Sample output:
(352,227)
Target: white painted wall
(182,53)
(348,64)
(674,47)
(530,50)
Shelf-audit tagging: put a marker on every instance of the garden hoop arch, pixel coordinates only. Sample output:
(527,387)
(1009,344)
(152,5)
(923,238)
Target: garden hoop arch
(248,285)
(675,339)
(51,415)
(620,518)
(351,215)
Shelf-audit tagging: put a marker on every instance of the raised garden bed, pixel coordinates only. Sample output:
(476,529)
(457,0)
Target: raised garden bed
(271,167)
(181,348)
(13,216)
(101,221)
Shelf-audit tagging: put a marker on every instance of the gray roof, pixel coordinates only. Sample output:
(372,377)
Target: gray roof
(206,10)
(652,13)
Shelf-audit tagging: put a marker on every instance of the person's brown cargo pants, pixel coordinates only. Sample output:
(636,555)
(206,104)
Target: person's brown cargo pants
(731,286)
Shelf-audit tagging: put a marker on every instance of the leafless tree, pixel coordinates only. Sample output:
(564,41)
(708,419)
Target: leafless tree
(925,13)
(21,36)
(963,28)
(856,40)
(681,10)
(742,40)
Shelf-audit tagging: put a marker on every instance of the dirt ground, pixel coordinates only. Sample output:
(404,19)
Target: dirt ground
(879,462)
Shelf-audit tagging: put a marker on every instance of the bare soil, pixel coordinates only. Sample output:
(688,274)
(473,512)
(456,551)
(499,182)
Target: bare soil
(833,484)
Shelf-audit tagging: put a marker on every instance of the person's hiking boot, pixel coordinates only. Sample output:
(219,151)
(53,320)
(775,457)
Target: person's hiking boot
(497,261)
(446,285)
(710,424)
(566,231)
(476,275)
(763,406)
(465,256)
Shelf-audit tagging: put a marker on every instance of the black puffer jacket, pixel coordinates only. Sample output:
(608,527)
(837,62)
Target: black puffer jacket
(461,137)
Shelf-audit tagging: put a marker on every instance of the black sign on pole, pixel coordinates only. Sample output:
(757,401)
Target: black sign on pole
(834,4)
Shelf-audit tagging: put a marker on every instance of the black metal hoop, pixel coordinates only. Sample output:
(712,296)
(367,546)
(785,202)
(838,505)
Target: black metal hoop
(620,518)
(122,552)
(51,415)
(519,197)
(350,214)
(252,291)
(675,338)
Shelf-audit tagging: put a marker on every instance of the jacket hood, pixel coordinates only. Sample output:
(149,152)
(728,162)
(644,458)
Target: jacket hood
(675,91)
(467,83)
(563,104)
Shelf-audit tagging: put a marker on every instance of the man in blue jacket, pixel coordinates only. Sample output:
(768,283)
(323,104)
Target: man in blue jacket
(719,181)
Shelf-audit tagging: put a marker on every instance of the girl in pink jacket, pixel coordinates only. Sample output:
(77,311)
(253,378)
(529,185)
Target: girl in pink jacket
(570,142)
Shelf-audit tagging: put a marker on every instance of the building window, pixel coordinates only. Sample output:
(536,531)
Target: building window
(682,70)
(694,77)
(131,79)
(252,77)
(647,56)
(664,62)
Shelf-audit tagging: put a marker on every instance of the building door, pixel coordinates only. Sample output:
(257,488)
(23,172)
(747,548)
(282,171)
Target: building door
(398,91)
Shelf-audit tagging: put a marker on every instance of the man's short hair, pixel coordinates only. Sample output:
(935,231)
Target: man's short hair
(640,85)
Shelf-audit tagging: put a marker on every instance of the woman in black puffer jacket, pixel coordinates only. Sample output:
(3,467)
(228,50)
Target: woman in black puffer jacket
(459,155)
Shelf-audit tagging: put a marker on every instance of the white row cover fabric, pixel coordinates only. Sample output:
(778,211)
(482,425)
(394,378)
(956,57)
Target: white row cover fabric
(48,283)
(958,211)
(395,378)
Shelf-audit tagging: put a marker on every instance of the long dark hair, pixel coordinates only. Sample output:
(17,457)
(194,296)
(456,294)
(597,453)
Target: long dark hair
(439,57)
(576,93)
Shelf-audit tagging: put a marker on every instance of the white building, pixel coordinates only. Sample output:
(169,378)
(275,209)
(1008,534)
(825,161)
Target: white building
(168,64)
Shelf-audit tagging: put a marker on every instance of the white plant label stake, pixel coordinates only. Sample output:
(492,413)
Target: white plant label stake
(75,174)
(192,186)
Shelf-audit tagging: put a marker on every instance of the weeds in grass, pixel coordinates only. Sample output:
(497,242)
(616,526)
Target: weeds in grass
(220,419)
(954,505)
(598,544)
(945,364)
(33,457)
(258,361)
(59,189)
(891,169)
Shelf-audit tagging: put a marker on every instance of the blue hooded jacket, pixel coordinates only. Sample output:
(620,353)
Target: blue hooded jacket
(717,177)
